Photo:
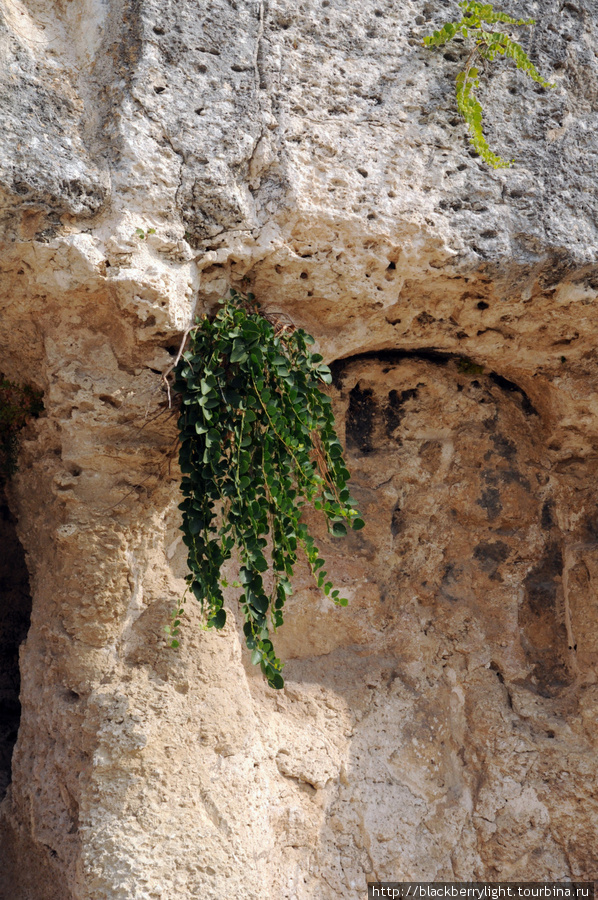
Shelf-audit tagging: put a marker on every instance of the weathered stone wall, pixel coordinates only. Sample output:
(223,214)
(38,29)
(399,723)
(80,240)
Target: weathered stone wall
(444,725)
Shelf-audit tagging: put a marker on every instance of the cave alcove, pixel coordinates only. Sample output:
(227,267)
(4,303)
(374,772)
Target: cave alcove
(15,614)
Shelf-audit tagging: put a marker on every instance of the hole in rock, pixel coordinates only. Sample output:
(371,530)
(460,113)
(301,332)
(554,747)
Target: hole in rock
(360,419)
(15,615)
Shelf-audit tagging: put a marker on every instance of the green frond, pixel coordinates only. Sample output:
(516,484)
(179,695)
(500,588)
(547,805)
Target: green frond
(487,13)
(522,60)
(446,33)
(471,110)
(488,45)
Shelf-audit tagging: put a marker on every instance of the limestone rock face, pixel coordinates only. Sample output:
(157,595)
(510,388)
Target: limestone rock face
(444,725)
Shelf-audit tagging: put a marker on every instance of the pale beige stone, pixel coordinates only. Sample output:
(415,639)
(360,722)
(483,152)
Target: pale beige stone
(444,724)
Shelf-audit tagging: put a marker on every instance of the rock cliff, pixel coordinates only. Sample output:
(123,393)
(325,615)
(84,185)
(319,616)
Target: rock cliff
(444,725)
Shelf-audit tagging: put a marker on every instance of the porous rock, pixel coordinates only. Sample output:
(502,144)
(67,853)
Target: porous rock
(444,725)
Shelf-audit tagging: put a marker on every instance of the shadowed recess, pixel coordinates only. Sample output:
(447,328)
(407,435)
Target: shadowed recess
(15,613)
(439,357)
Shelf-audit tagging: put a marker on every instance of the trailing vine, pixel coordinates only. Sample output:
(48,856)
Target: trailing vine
(258,444)
(17,405)
(487,45)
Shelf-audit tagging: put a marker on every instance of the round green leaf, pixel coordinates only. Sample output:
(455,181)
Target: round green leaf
(218,621)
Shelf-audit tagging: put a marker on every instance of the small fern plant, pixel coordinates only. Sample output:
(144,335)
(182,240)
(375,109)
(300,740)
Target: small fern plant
(258,444)
(476,25)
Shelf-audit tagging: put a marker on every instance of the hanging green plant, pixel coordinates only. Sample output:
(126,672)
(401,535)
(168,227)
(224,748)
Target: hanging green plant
(476,26)
(258,444)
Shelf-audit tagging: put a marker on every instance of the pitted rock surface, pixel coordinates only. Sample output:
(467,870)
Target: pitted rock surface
(444,725)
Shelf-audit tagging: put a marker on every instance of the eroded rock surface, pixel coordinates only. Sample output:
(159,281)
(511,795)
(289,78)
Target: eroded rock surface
(444,725)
